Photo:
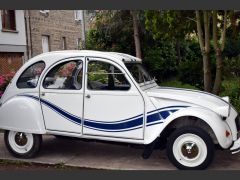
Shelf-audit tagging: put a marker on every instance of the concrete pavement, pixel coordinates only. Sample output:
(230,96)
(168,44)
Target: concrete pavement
(108,156)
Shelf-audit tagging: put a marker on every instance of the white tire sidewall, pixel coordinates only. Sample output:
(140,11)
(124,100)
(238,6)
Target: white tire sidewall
(20,149)
(202,148)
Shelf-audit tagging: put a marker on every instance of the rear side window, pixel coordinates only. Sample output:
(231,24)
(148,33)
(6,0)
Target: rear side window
(29,78)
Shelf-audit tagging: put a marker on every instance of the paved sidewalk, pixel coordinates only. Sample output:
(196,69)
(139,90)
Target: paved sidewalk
(109,156)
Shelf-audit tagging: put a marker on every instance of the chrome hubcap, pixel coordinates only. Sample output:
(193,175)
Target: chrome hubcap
(20,139)
(190,150)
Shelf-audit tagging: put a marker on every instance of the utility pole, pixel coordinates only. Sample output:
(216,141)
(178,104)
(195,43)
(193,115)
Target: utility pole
(83,29)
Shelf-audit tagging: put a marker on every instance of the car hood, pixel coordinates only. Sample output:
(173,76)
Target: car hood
(197,98)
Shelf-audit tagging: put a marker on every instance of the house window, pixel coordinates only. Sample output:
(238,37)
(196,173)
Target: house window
(8,20)
(78,15)
(90,12)
(44,11)
(64,44)
(45,43)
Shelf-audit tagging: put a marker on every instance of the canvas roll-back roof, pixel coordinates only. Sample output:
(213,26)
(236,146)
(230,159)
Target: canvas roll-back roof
(115,55)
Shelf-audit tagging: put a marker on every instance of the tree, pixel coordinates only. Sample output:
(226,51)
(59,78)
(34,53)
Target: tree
(204,42)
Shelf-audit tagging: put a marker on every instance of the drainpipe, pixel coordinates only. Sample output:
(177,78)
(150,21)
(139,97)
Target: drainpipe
(83,30)
(28,33)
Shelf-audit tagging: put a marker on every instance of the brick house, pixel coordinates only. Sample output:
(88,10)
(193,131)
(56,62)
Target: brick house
(12,40)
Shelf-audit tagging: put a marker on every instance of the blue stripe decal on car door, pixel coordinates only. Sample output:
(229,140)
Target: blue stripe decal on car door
(132,123)
(115,126)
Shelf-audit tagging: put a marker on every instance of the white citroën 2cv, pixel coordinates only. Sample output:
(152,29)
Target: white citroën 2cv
(110,96)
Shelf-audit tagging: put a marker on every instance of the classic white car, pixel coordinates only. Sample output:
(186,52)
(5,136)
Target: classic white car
(109,96)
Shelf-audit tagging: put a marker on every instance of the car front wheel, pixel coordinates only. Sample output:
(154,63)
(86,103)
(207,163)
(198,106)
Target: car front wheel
(22,145)
(190,148)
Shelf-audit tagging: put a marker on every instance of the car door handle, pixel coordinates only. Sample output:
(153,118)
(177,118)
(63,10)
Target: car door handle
(88,96)
(42,94)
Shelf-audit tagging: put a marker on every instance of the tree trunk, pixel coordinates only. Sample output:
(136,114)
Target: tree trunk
(207,75)
(136,35)
(205,49)
(218,77)
(206,59)
(218,51)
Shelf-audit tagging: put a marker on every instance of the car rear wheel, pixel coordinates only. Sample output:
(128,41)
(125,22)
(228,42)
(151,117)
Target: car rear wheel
(22,145)
(190,148)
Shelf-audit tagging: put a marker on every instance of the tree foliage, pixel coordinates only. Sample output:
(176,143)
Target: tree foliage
(112,31)
(169,24)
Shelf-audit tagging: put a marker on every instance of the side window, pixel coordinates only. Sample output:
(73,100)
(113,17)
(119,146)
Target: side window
(66,75)
(29,78)
(105,76)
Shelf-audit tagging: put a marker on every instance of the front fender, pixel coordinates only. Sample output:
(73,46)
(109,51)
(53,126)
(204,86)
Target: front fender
(23,115)
(218,126)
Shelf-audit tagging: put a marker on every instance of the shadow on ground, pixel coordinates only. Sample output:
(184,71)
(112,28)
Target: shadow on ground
(97,155)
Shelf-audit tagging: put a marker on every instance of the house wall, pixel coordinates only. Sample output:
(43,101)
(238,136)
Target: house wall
(15,39)
(57,24)
(13,45)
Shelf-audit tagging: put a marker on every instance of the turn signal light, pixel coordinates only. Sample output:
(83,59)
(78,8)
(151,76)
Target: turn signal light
(227,133)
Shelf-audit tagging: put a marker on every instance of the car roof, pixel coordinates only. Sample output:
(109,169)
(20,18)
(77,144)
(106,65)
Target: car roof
(116,55)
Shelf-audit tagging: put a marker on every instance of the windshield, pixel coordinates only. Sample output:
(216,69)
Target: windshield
(138,72)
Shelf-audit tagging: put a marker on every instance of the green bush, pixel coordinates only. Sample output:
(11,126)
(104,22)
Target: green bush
(161,61)
(190,72)
(231,88)
(231,67)
(190,51)
(232,47)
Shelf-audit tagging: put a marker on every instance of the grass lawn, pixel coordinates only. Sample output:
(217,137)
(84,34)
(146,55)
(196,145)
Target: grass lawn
(20,165)
(178,84)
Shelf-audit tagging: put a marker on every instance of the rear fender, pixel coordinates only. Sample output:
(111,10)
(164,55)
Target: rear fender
(22,114)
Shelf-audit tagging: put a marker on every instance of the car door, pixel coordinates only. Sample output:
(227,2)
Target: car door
(61,95)
(113,106)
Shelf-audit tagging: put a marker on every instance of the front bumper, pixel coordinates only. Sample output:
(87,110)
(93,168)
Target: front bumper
(236,147)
